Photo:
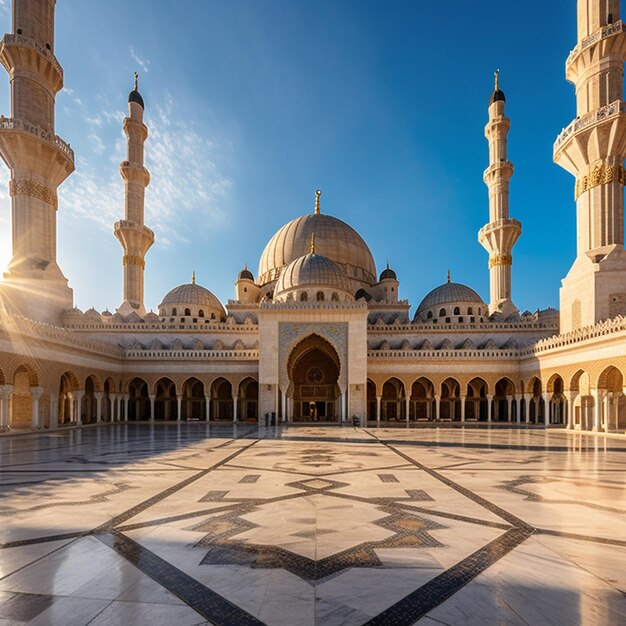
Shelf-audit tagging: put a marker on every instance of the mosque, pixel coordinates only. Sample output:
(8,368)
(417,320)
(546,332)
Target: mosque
(318,335)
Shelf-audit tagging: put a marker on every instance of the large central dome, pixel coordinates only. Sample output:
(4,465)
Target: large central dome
(333,239)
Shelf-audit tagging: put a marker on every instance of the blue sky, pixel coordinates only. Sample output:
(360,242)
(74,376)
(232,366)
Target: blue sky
(252,105)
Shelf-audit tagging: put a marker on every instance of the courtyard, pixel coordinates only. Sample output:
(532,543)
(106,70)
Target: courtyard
(197,523)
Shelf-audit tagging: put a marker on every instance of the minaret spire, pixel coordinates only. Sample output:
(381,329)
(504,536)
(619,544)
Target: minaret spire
(592,148)
(499,236)
(131,232)
(318,193)
(38,159)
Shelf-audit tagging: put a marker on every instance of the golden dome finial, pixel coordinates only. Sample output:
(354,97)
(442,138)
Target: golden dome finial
(495,79)
(312,243)
(136,81)
(193,277)
(448,275)
(318,193)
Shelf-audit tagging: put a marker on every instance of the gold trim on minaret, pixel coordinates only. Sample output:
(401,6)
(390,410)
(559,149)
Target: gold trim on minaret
(193,277)
(496,74)
(448,276)
(318,193)
(136,81)
(312,245)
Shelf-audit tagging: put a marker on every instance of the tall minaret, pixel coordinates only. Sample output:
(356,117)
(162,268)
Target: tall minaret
(499,236)
(592,148)
(135,238)
(38,159)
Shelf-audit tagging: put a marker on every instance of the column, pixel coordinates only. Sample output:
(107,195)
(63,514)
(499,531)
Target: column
(179,403)
(489,407)
(462,398)
(343,406)
(546,408)
(207,402)
(125,398)
(78,397)
(284,415)
(70,396)
(378,401)
(407,402)
(518,409)
(235,399)
(509,415)
(35,394)
(429,407)
(569,411)
(597,408)
(6,418)
(437,400)
(152,399)
(98,395)
(54,409)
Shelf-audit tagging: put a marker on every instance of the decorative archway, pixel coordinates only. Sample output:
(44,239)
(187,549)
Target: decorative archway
(422,395)
(222,400)
(313,393)
(450,399)
(555,412)
(477,403)
(165,403)
(248,400)
(393,408)
(193,402)
(612,409)
(504,394)
(138,399)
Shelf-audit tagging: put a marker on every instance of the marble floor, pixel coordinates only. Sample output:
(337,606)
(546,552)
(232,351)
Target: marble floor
(182,524)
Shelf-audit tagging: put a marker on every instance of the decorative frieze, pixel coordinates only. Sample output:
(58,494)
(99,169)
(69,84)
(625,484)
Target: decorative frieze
(131,259)
(600,175)
(500,259)
(27,187)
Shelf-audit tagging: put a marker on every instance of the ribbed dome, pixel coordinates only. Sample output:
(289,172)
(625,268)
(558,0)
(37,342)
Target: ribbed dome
(312,270)
(449,293)
(388,273)
(333,239)
(245,274)
(191,294)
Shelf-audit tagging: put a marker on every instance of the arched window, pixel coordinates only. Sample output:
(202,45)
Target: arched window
(442,312)
(470,310)
(457,310)
(174,311)
(304,296)
(320,296)
(334,297)
(480,312)
(201,313)
(187,311)
(429,315)
(212,316)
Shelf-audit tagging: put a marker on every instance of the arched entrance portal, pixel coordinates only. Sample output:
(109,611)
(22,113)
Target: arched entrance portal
(314,394)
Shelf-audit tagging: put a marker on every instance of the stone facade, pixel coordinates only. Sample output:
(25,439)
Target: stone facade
(317,336)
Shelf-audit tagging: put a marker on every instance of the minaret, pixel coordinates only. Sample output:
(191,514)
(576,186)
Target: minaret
(38,159)
(499,236)
(135,238)
(592,148)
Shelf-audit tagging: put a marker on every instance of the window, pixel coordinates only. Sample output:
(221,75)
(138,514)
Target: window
(472,320)
(470,310)
(460,320)
(304,296)
(429,315)
(442,312)
(334,297)
(245,290)
(447,320)
(320,296)
(457,310)
(212,316)
(174,311)
(201,313)
(480,312)
(187,311)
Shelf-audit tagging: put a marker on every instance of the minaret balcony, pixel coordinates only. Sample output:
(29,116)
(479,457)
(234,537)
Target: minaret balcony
(18,50)
(602,34)
(500,235)
(584,125)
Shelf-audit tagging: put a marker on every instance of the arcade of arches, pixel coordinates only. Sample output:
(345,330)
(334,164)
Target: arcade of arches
(581,401)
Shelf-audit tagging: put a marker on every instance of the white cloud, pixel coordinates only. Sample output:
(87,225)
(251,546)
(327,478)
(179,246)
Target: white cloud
(141,62)
(186,182)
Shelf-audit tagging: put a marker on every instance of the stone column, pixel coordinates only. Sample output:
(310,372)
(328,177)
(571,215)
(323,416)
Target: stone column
(98,395)
(70,396)
(152,399)
(35,394)
(437,400)
(518,409)
(78,397)
(125,398)
(6,418)
(597,408)
(489,407)
(608,398)
(179,407)
(284,406)
(547,396)
(407,402)
(509,415)
(343,406)
(207,403)
(462,398)
(235,399)
(54,409)
(378,401)
(569,409)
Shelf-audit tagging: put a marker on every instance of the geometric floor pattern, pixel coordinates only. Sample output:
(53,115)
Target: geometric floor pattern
(234,524)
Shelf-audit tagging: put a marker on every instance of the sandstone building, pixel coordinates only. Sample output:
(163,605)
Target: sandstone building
(318,334)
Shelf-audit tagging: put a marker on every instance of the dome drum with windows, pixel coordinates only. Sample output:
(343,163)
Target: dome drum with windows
(191,303)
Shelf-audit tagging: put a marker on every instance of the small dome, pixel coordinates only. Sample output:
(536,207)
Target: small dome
(449,293)
(312,270)
(245,274)
(496,96)
(135,96)
(388,273)
(191,295)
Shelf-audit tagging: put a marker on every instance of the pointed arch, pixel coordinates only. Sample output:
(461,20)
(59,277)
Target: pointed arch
(422,396)
(222,399)
(248,400)
(138,399)
(476,401)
